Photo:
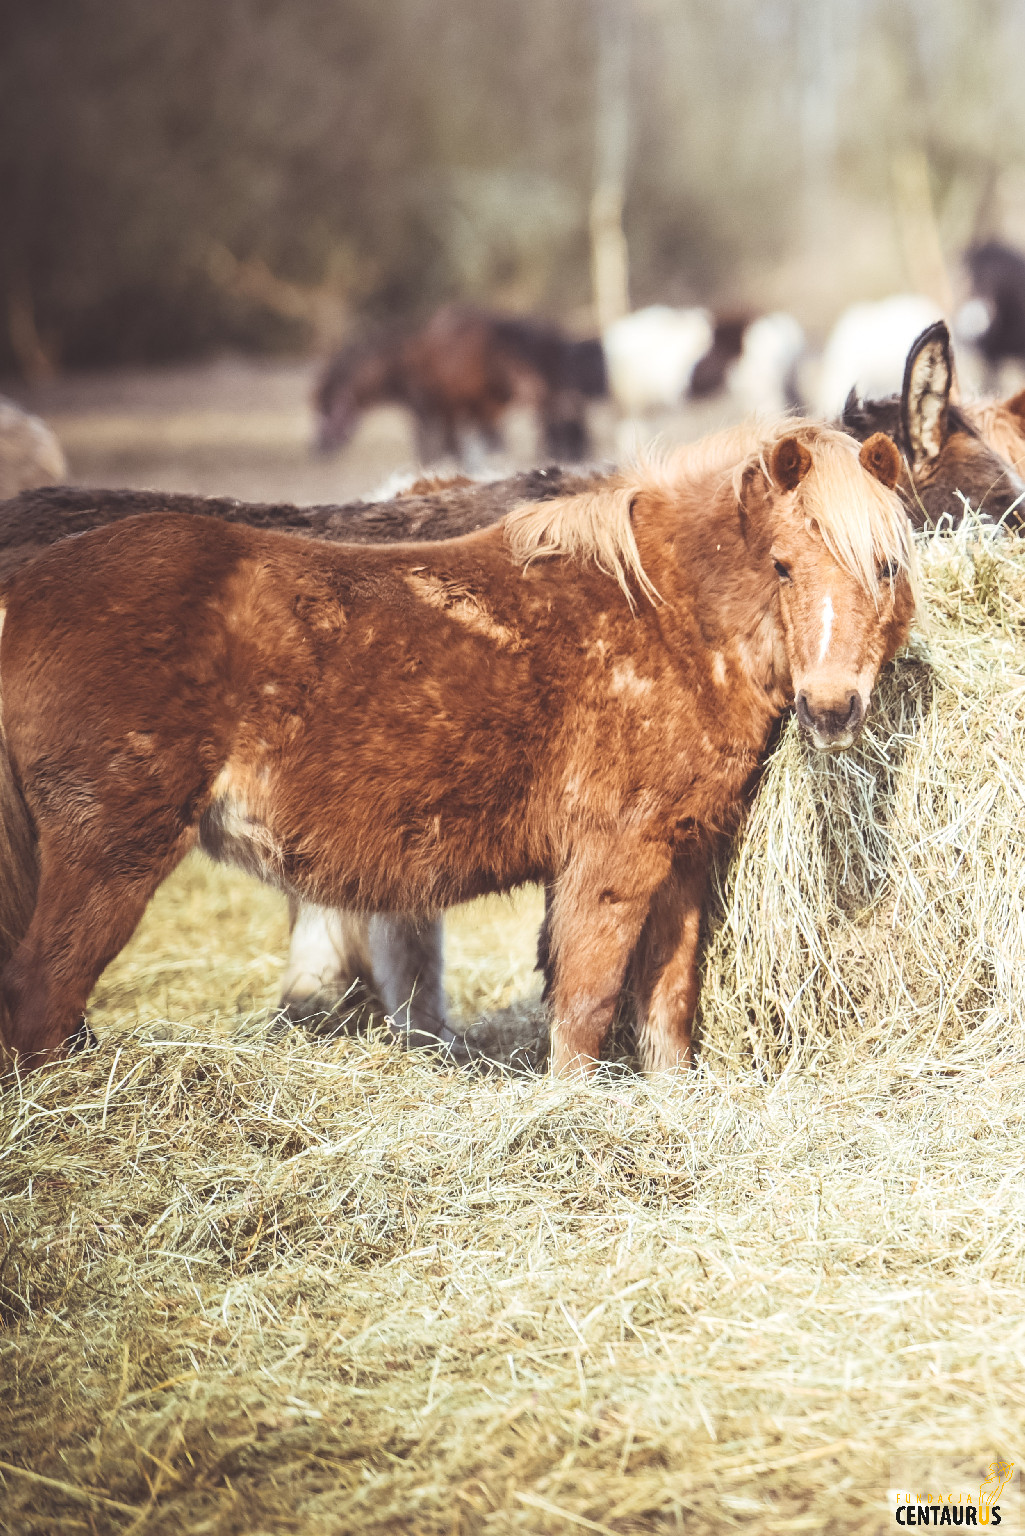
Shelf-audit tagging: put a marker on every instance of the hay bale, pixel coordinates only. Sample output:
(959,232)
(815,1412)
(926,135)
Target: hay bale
(876,901)
(30,454)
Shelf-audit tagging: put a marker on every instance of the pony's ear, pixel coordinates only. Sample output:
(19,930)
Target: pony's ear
(1016,405)
(880,457)
(928,379)
(789,463)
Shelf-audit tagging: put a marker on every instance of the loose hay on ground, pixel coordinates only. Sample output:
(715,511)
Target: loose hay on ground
(252,1287)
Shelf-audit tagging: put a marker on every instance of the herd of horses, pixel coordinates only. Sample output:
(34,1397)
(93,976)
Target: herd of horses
(571,678)
(460,372)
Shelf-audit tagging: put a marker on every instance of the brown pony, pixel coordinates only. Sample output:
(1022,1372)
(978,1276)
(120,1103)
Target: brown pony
(952,453)
(581,696)
(459,374)
(337,960)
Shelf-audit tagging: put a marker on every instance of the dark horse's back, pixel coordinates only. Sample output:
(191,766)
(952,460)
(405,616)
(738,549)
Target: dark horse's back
(562,362)
(32,521)
(998,276)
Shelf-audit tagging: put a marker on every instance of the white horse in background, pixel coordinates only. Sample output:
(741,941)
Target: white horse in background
(867,349)
(764,377)
(650,356)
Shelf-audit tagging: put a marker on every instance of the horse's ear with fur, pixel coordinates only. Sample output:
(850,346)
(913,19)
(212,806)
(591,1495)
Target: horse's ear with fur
(789,463)
(928,380)
(1016,406)
(853,414)
(879,455)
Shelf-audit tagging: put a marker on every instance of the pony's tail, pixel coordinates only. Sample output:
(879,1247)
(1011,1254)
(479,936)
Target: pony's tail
(19,865)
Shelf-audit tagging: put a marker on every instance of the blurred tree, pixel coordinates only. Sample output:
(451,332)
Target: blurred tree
(610,277)
(188,175)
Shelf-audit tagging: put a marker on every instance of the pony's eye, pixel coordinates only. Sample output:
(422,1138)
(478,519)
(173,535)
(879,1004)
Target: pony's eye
(782,571)
(889,571)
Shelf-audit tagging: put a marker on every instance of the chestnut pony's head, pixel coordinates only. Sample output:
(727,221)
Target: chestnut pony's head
(841,553)
(821,526)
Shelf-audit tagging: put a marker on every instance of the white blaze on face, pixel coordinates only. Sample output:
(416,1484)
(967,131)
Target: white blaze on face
(827,626)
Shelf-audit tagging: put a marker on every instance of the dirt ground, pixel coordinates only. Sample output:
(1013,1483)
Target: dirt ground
(243,427)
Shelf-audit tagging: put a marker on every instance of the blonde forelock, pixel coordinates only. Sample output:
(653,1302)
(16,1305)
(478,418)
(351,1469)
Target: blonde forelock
(862,523)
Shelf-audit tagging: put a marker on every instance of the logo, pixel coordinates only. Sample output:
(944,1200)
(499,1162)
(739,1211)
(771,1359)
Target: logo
(968,1497)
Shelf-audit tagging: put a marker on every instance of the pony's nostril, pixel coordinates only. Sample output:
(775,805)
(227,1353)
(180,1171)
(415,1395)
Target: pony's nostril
(830,723)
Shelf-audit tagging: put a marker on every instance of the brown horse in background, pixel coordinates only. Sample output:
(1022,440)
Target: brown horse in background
(582,696)
(459,374)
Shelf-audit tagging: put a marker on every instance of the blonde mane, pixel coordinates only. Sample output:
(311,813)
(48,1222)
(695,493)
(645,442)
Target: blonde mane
(862,523)
(594,526)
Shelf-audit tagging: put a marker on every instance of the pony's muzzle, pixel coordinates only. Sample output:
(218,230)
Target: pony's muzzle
(834,726)
(333,430)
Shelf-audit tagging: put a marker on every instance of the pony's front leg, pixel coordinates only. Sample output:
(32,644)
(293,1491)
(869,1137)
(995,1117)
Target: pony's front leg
(598,910)
(665,966)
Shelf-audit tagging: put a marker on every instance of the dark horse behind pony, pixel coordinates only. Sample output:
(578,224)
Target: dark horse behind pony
(581,695)
(954,455)
(458,374)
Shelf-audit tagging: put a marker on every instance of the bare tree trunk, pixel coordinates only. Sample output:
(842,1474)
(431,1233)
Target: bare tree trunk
(609,257)
(818,126)
(918,227)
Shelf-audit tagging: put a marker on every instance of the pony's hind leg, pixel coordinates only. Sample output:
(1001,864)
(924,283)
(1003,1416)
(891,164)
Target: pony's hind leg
(87,908)
(665,966)
(598,909)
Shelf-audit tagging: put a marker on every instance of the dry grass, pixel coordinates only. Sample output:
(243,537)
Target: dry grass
(338,1290)
(268,1287)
